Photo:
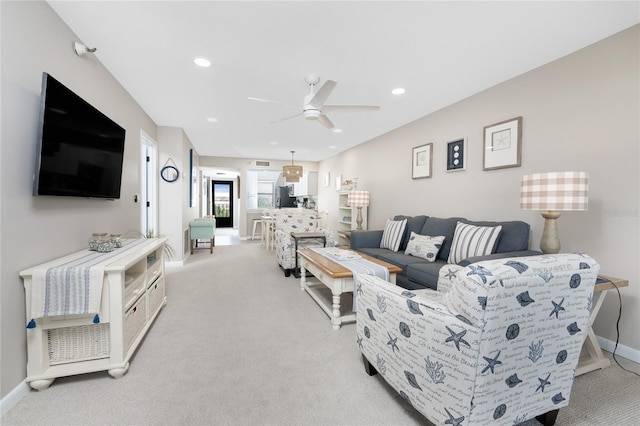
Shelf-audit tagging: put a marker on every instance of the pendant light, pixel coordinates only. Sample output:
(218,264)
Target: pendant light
(292,173)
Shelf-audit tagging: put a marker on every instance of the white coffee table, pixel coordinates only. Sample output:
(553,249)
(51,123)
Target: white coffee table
(337,278)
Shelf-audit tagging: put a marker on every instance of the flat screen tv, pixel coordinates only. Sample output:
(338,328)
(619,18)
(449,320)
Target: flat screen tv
(80,149)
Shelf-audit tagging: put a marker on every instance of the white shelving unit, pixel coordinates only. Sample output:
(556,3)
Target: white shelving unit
(133,292)
(347,215)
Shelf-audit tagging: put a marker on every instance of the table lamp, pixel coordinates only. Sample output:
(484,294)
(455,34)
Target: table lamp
(553,192)
(358,199)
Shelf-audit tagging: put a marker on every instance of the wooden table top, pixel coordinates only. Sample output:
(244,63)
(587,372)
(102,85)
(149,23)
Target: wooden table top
(608,284)
(335,269)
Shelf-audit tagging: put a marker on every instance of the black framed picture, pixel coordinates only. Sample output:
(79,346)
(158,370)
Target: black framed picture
(456,155)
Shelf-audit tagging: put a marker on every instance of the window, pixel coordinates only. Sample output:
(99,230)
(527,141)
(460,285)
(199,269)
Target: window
(259,186)
(265,194)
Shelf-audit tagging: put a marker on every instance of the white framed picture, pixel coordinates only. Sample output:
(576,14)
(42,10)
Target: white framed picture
(503,145)
(421,161)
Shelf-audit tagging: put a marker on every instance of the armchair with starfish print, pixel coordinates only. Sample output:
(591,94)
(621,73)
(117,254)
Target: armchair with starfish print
(497,343)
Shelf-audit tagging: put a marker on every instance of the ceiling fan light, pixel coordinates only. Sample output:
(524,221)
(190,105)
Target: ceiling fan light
(312,114)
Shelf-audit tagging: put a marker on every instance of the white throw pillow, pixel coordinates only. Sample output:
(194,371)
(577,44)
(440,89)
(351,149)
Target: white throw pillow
(424,246)
(392,234)
(471,240)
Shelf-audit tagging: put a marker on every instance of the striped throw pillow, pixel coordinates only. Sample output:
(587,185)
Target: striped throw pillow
(392,234)
(471,240)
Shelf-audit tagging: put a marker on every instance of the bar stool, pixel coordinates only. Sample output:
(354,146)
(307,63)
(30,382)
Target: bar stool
(256,222)
(268,234)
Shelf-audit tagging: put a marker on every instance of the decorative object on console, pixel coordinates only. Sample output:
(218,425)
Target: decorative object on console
(503,144)
(292,173)
(553,192)
(456,159)
(358,199)
(422,161)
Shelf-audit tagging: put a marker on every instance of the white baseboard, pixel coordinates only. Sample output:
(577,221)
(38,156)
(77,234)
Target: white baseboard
(622,350)
(13,397)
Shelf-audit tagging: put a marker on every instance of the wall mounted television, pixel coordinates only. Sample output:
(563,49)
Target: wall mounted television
(80,150)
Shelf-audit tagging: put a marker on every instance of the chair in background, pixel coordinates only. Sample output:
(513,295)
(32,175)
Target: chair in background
(203,229)
(285,224)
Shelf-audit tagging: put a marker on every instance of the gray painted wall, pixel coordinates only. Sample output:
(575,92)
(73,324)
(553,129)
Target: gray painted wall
(579,113)
(37,229)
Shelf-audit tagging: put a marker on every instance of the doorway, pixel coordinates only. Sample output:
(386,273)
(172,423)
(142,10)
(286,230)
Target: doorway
(149,185)
(222,195)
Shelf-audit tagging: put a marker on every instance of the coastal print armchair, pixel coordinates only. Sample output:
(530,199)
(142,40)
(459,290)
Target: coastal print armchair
(285,224)
(496,344)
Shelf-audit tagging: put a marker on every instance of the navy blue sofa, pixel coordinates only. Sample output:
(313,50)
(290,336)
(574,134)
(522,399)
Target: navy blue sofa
(418,273)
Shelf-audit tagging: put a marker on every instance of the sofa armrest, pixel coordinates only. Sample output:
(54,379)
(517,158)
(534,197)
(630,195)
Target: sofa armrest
(520,253)
(363,239)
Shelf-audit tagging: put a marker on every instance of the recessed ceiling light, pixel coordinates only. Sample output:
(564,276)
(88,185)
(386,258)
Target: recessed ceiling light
(202,62)
(332,147)
(398,91)
(212,120)
(336,130)
(273,143)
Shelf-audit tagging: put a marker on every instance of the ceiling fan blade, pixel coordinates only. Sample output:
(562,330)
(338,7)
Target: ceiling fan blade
(273,102)
(286,118)
(322,94)
(324,120)
(349,108)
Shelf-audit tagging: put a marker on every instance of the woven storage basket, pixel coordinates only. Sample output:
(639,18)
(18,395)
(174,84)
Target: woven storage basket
(134,321)
(77,343)
(156,295)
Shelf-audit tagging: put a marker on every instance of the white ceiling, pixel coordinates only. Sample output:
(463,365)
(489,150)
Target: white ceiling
(441,52)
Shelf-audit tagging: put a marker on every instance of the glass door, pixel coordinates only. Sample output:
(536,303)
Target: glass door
(223,203)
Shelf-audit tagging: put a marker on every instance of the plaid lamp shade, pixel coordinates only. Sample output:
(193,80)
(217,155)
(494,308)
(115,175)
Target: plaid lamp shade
(358,198)
(555,191)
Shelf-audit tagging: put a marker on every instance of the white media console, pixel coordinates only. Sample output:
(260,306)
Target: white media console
(133,292)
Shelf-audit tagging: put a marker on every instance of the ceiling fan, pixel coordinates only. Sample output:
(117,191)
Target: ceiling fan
(313,107)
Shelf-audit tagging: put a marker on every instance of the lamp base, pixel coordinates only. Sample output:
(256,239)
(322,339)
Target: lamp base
(359,219)
(550,241)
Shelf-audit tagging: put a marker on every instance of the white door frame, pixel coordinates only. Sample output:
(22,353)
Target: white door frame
(149,184)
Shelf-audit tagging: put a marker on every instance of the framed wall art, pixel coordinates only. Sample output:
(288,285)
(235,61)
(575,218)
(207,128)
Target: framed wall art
(503,144)
(422,160)
(456,155)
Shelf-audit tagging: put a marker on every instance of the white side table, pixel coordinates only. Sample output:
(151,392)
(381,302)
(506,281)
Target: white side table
(592,357)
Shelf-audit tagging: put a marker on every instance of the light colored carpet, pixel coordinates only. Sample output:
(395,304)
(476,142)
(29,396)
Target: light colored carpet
(240,344)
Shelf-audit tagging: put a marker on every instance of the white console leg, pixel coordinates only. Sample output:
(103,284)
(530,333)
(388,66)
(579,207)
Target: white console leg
(116,373)
(41,384)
